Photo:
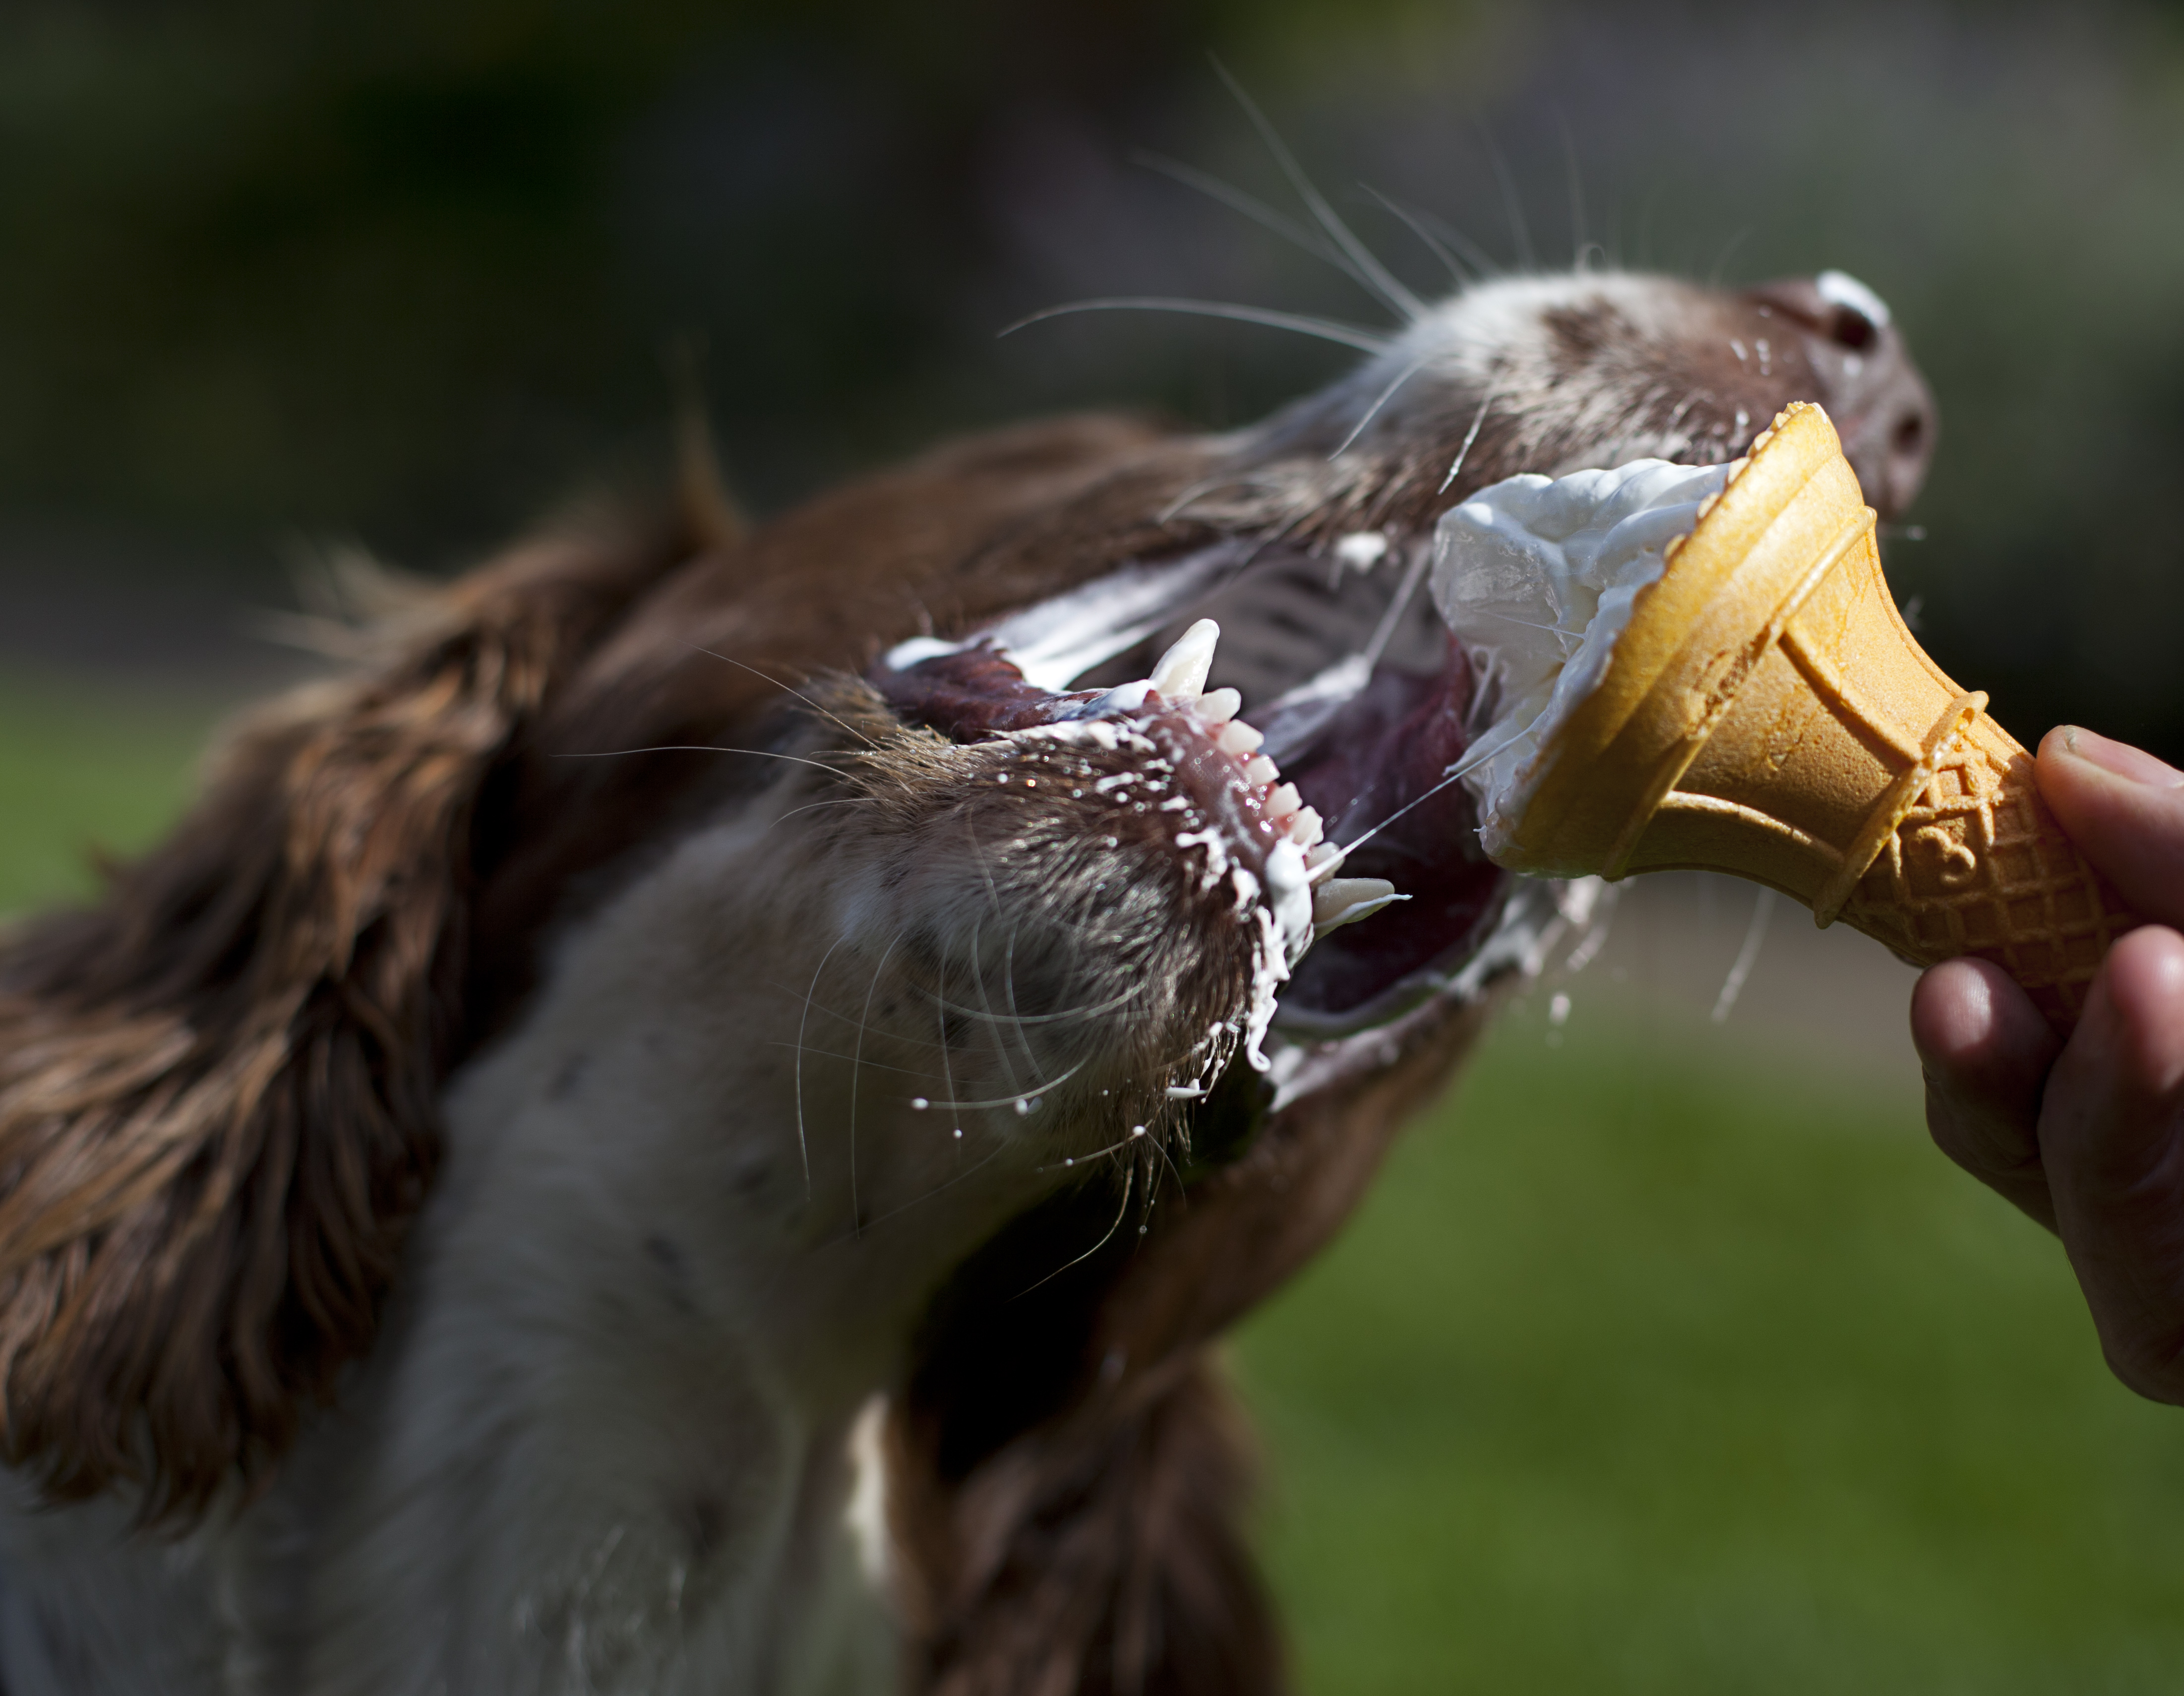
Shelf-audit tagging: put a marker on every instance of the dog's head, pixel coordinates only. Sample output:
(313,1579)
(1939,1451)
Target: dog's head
(930,859)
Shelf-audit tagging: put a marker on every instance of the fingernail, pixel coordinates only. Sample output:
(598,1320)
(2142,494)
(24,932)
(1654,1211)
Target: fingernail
(2119,759)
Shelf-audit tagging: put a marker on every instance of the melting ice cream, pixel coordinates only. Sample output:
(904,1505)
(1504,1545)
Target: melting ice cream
(1537,577)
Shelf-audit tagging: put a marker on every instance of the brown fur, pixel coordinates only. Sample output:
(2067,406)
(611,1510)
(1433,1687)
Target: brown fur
(217,1089)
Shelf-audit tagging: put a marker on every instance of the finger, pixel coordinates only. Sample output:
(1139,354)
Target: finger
(2112,1137)
(1985,1051)
(2124,812)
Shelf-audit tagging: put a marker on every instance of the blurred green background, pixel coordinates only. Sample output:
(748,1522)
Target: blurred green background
(1679,1361)
(1669,1358)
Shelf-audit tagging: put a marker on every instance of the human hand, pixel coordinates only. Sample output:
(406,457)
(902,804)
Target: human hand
(2087,1136)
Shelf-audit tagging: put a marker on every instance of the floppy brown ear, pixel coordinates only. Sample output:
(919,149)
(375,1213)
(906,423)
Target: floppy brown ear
(1104,1558)
(217,1087)
(1069,1477)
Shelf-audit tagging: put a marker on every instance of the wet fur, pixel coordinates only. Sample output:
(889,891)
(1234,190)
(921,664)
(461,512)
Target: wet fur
(222,1089)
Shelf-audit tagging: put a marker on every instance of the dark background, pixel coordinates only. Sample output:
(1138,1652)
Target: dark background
(279,276)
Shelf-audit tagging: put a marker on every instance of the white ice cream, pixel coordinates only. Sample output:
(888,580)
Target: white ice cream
(1536,577)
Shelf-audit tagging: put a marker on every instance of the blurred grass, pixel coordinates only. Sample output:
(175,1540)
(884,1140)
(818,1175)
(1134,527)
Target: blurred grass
(84,770)
(1641,1374)
(1641,1371)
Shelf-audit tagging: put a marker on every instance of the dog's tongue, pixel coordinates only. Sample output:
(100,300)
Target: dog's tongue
(1380,770)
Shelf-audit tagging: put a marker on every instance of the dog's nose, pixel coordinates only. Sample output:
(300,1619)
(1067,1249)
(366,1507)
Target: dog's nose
(1880,405)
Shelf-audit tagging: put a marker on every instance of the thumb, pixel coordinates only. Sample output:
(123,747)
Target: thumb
(2124,810)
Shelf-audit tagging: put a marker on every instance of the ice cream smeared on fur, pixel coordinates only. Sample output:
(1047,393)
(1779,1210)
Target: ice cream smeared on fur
(1537,577)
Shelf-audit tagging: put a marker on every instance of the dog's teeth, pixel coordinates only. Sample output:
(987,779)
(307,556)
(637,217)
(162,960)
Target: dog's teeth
(1306,830)
(1239,738)
(1181,673)
(1345,901)
(1259,769)
(1219,706)
(1284,801)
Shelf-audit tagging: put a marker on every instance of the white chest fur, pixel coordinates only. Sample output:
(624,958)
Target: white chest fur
(603,1443)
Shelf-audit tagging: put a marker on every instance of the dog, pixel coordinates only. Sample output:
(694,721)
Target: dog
(692,1121)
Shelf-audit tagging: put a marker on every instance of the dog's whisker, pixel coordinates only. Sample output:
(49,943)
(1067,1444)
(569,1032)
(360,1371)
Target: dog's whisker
(1460,274)
(1512,206)
(986,1004)
(1579,241)
(813,806)
(1016,1097)
(1470,437)
(1137,1134)
(786,689)
(874,1065)
(702,747)
(1121,1213)
(1066,1016)
(1250,206)
(803,1145)
(1379,401)
(1456,774)
(918,1200)
(1376,276)
(1304,324)
(857,1065)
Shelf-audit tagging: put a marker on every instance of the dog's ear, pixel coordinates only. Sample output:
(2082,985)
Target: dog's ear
(1067,1478)
(1102,1556)
(217,1086)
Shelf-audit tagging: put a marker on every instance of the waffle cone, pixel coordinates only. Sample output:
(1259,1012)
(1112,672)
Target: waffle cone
(1766,713)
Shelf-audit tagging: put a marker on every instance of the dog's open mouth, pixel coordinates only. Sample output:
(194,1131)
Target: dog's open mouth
(1299,711)
(1313,755)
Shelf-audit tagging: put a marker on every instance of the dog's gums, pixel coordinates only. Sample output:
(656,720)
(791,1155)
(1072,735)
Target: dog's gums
(695,1122)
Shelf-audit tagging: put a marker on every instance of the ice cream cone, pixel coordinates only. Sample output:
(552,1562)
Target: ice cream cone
(1766,713)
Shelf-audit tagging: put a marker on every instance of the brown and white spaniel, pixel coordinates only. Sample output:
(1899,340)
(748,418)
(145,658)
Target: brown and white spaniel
(691,1124)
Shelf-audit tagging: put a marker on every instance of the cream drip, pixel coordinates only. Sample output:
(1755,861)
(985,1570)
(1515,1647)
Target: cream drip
(1537,576)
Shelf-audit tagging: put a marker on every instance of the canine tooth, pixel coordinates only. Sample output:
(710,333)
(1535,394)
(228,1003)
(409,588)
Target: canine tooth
(1345,901)
(1181,673)
(1322,861)
(1219,706)
(1259,769)
(1305,830)
(1284,801)
(1238,738)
